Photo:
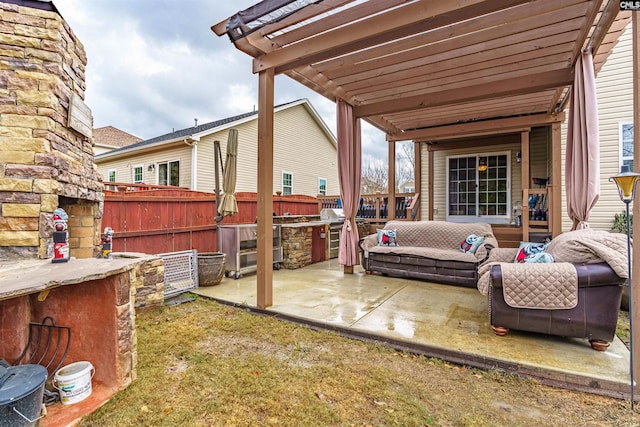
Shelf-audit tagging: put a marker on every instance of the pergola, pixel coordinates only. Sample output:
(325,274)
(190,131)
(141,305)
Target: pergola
(429,71)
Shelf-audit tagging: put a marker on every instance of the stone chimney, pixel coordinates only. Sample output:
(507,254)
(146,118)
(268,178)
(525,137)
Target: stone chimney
(46,146)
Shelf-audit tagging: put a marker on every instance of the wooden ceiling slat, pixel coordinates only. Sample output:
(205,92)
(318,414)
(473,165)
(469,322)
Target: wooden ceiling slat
(470,112)
(487,42)
(458,130)
(506,87)
(482,105)
(500,24)
(513,57)
(458,82)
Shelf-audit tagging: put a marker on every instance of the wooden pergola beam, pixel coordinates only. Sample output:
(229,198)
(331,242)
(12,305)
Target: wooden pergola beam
(506,125)
(497,89)
(417,174)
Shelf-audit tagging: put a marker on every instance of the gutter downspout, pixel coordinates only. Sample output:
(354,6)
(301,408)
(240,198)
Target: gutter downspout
(194,161)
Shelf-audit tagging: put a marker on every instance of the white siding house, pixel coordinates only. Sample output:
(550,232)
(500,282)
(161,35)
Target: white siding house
(305,154)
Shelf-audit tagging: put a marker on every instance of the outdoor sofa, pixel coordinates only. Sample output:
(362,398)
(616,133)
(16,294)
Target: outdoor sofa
(428,250)
(577,295)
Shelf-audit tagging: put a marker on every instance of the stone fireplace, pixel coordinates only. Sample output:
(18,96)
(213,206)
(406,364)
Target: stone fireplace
(46,146)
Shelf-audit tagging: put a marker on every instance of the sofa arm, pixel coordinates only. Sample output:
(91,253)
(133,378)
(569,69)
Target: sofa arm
(368,242)
(502,255)
(365,243)
(488,248)
(589,275)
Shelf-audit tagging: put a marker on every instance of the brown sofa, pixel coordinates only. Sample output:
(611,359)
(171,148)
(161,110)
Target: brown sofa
(576,296)
(429,250)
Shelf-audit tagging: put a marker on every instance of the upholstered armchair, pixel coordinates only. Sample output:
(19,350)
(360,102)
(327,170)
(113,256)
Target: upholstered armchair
(578,295)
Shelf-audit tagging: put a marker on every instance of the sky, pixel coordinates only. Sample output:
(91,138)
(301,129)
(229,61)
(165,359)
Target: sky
(154,66)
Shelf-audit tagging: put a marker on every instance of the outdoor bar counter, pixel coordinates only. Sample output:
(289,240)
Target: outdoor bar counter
(95,299)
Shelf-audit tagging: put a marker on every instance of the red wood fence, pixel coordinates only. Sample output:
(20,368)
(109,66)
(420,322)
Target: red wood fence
(154,219)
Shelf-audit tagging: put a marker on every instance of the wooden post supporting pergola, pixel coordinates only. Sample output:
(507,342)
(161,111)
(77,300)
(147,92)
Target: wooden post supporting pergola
(526,182)
(555,214)
(265,189)
(430,205)
(391,182)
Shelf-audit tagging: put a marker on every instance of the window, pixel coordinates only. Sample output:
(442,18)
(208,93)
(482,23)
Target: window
(137,174)
(322,186)
(169,173)
(408,190)
(626,144)
(472,193)
(287,183)
(111,175)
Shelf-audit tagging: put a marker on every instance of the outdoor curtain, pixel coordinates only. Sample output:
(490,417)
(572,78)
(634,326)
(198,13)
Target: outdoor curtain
(582,168)
(349,167)
(228,204)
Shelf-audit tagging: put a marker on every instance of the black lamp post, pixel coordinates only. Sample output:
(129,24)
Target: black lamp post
(626,182)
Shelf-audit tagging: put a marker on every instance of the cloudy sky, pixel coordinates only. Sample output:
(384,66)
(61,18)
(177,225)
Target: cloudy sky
(155,66)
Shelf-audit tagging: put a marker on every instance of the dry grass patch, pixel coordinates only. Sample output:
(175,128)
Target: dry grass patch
(206,364)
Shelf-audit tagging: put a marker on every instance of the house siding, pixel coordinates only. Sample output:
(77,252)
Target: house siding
(246,160)
(301,147)
(614,89)
(297,151)
(538,140)
(124,166)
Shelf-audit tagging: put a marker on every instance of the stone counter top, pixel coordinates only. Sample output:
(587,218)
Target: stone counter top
(23,277)
(305,224)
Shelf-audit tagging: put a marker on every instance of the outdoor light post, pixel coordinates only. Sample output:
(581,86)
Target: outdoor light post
(626,182)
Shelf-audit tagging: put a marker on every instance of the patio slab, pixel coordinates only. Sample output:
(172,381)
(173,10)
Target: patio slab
(443,321)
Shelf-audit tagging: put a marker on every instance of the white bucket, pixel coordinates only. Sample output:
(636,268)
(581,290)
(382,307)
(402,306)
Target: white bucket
(74,382)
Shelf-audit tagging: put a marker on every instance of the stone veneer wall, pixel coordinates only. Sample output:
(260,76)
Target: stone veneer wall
(296,246)
(42,64)
(146,291)
(147,284)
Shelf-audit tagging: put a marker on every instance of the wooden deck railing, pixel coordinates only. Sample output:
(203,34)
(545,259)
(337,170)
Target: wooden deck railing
(127,186)
(374,207)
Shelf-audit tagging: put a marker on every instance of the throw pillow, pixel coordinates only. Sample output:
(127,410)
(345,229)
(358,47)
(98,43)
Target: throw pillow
(528,249)
(471,243)
(539,257)
(387,237)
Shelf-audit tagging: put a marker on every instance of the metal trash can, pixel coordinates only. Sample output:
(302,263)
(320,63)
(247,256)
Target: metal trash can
(21,392)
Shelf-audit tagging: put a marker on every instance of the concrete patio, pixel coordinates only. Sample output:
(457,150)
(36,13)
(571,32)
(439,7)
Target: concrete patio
(442,321)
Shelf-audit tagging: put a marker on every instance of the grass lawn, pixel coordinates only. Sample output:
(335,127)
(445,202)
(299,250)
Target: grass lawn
(206,364)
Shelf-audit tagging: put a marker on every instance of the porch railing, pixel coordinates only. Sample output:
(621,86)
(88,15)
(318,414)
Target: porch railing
(375,207)
(127,186)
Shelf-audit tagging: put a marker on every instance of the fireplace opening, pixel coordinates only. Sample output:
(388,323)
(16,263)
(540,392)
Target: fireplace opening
(83,226)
